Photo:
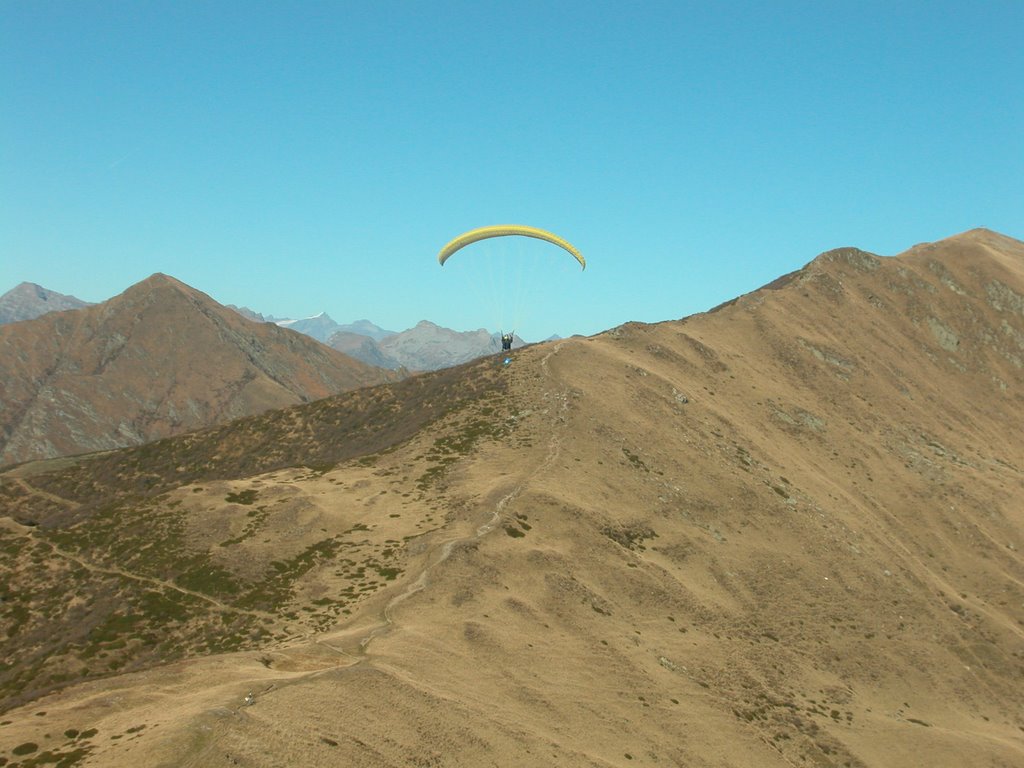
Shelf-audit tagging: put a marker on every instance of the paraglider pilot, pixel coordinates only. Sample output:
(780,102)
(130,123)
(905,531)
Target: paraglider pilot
(506,342)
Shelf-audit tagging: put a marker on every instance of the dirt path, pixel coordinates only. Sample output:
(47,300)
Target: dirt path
(443,550)
(446,547)
(120,572)
(308,657)
(33,491)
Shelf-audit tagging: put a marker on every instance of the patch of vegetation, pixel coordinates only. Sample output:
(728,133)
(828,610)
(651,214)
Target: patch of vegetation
(630,536)
(247,496)
(209,579)
(276,588)
(635,460)
(119,621)
(257,517)
(460,439)
(65,756)
(319,470)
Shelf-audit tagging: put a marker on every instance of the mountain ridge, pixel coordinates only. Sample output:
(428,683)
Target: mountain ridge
(782,532)
(161,351)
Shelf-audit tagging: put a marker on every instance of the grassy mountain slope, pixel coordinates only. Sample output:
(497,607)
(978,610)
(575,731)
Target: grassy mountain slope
(784,532)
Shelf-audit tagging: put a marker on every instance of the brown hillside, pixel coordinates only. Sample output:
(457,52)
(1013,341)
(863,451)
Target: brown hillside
(784,532)
(159,359)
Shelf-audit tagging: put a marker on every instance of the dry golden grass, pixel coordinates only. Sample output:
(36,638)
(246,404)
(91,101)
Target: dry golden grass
(786,532)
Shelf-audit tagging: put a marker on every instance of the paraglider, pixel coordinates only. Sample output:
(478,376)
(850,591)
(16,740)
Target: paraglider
(507,230)
(499,266)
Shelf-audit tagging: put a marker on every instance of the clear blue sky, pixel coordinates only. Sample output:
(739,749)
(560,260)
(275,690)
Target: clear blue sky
(303,156)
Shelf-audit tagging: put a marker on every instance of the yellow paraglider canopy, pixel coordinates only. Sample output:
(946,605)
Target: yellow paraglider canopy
(506,230)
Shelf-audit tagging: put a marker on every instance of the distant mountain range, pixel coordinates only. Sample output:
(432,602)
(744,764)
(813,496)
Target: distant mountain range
(163,357)
(321,327)
(159,359)
(425,347)
(28,301)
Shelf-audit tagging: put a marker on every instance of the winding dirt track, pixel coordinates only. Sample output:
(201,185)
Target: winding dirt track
(444,549)
(353,646)
(448,546)
(120,572)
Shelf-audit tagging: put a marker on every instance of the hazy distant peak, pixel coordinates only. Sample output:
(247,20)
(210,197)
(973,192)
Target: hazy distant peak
(27,301)
(365,327)
(34,288)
